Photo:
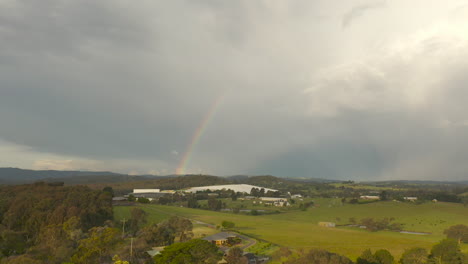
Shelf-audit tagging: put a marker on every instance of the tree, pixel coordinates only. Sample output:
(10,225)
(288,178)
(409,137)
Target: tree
(192,252)
(137,220)
(227,224)
(131,198)
(234,196)
(318,256)
(96,247)
(236,256)
(182,228)
(214,204)
(384,196)
(457,232)
(192,202)
(143,200)
(446,252)
(414,256)
(109,190)
(383,256)
(366,258)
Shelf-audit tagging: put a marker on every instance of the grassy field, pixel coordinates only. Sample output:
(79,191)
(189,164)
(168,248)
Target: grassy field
(299,229)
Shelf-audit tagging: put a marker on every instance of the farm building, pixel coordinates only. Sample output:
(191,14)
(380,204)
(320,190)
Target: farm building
(274,201)
(150,194)
(146,190)
(410,198)
(327,224)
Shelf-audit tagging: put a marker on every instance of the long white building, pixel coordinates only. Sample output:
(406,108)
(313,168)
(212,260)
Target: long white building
(146,190)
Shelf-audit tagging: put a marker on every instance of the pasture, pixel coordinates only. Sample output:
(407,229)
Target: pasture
(299,229)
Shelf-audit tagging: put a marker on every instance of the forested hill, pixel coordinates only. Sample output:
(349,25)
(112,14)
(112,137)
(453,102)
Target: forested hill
(15,175)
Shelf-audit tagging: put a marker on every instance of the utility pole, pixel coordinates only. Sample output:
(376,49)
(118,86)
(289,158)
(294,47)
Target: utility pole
(131,247)
(123,227)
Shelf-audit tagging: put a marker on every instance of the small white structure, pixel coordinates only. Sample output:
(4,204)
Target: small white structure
(410,198)
(146,190)
(296,196)
(370,197)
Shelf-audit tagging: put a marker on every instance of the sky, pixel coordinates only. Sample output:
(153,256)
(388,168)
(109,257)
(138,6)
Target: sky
(351,90)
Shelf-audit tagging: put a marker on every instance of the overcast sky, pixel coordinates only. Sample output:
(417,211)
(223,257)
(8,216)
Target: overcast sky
(310,88)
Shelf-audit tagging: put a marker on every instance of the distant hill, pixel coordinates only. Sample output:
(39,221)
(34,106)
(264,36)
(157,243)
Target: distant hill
(15,175)
(418,182)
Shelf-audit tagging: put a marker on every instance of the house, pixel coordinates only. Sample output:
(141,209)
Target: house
(327,224)
(220,239)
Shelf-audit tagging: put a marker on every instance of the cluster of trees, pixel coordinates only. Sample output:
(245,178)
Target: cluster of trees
(193,251)
(49,223)
(261,193)
(445,252)
(374,225)
(313,256)
(47,220)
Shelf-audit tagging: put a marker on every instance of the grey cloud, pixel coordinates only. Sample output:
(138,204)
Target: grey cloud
(120,85)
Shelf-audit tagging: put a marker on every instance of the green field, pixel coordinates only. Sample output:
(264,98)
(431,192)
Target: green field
(299,229)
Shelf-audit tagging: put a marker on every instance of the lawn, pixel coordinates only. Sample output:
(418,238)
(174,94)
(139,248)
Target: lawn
(299,229)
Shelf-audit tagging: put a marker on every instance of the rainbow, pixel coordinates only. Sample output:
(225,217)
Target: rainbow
(197,136)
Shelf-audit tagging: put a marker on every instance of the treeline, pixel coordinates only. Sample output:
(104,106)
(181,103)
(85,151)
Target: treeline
(170,183)
(446,252)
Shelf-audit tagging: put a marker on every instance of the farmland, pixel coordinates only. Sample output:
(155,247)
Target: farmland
(299,229)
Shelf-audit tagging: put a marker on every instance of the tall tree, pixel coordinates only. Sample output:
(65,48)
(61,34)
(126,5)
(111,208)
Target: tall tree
(446,252)
(457,232)
(383,256)
(138,218)
(366,258)
(414,256)
(96,248)
(235,255)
